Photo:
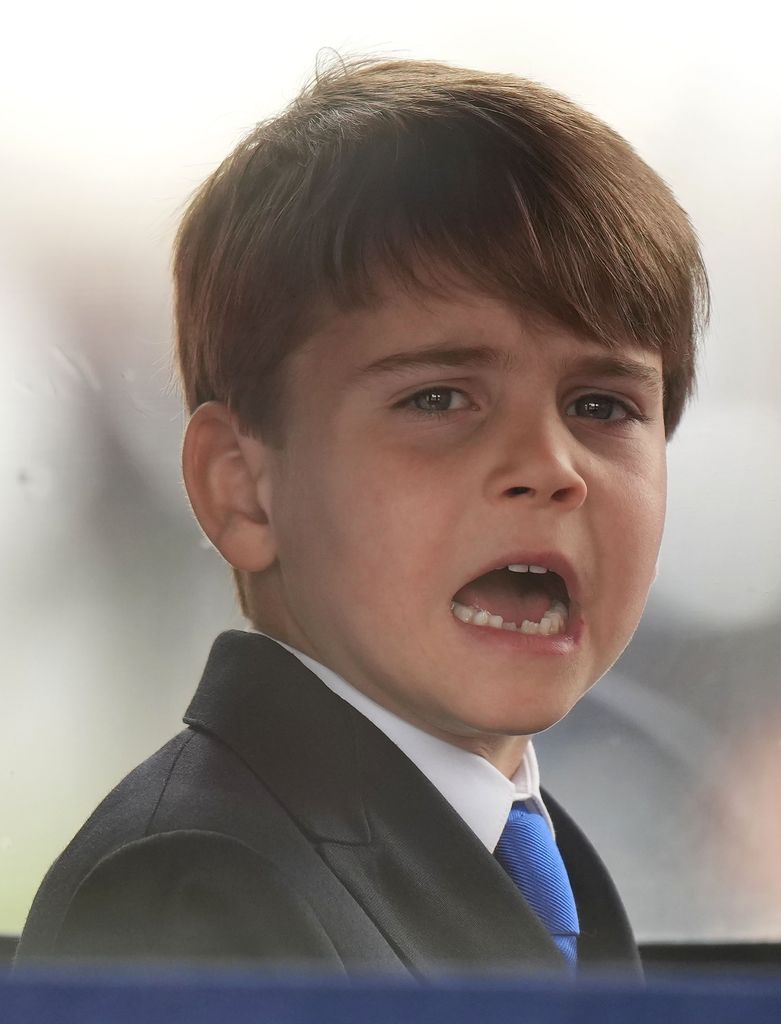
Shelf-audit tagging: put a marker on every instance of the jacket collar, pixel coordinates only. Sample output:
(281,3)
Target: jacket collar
(266,706)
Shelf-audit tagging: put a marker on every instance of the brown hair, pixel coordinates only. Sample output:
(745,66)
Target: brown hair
(395,165)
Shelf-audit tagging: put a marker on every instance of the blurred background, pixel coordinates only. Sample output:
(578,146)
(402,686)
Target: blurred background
(109,597)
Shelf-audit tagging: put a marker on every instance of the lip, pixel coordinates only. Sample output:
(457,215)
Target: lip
(554,560)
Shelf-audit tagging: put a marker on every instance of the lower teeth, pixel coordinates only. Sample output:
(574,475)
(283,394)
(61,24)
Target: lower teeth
(552,623)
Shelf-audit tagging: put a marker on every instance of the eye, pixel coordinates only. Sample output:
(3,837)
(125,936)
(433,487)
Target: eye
(437,400)
(601,407)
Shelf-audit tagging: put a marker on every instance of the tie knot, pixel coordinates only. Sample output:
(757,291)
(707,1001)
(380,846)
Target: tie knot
(528,853)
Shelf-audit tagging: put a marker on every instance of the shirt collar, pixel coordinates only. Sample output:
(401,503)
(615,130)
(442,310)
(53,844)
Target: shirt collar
(477,791)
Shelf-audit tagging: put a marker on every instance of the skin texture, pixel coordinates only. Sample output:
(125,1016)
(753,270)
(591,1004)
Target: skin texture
(376,510)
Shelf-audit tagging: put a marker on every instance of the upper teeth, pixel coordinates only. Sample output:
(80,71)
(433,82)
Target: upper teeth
(526,568)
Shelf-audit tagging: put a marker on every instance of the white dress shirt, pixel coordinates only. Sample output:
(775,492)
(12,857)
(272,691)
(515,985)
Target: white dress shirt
(477,791)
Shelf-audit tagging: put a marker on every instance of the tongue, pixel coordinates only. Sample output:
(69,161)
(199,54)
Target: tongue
(515,600)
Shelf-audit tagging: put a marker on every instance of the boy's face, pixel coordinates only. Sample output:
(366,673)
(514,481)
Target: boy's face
(402,481)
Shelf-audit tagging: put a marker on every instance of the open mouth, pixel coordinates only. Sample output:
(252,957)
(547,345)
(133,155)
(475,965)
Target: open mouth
(518,598)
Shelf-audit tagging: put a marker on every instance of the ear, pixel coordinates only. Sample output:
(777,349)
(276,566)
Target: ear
(226,474)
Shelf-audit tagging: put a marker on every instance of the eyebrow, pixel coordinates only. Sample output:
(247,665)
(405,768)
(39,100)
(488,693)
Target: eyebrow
(439,355)
(622,368)
(491,358)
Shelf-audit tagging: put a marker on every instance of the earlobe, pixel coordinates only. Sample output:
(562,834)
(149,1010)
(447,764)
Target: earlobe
(226,477)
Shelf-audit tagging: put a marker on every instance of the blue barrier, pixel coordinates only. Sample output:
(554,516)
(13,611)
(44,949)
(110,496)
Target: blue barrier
(64,996)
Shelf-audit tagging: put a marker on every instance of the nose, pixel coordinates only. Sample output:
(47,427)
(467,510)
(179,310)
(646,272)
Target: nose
(537,466)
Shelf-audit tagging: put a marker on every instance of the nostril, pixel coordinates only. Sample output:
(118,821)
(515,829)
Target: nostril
(519,490)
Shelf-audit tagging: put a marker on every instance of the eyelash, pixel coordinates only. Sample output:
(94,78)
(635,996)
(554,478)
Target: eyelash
(630,414)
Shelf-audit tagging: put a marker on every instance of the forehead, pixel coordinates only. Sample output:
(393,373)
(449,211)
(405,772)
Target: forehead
(457,326)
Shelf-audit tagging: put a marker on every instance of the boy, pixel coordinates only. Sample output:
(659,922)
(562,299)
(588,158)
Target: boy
(435,327)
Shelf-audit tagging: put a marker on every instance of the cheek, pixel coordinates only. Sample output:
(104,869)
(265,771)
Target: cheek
(405,492)
(654,506)
(630,537)
(348,520)
(643,503)
(391,523)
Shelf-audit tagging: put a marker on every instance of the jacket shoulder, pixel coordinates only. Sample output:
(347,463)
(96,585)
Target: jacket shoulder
(189,895)
(193,783)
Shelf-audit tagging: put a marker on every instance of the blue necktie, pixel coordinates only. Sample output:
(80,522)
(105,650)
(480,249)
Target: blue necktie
(528,853)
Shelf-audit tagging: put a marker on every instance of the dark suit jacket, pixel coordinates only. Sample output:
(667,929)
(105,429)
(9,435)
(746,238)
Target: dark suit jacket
(283,827)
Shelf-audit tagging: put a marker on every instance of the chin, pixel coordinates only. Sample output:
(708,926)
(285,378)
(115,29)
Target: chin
(519,721)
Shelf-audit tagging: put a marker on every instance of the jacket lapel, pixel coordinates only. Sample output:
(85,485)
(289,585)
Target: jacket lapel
(394,842)
(427,881)
(288,727)
(605,933)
